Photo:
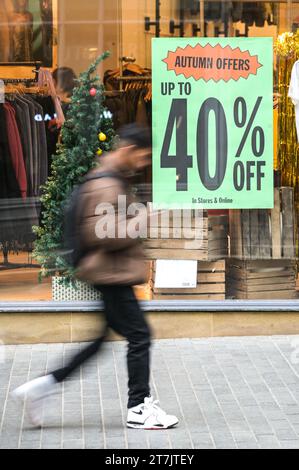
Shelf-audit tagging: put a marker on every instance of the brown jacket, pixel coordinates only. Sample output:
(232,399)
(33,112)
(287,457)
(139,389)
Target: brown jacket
(112,259)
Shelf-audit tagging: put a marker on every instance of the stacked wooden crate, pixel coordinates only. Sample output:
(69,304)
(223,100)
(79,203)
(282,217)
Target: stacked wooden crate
(262,251)
(261,279)
(262,233)
(205,241)
(210,284)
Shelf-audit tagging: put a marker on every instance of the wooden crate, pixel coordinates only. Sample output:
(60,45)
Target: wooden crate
(168,241)
(261,279)
(264,234)
(210,284)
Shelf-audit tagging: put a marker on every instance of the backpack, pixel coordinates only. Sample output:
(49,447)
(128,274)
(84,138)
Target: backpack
(73,251)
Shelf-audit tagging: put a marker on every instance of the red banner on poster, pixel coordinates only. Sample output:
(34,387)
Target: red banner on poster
(212,63)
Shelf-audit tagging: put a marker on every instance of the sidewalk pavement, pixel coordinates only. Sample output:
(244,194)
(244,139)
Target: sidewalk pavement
(240,392)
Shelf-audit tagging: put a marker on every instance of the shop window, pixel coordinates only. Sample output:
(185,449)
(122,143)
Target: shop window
(243,253)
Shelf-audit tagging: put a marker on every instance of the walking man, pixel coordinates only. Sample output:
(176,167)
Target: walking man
(113,262)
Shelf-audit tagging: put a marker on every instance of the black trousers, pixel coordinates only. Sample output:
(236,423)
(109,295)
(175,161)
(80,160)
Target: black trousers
(124,316)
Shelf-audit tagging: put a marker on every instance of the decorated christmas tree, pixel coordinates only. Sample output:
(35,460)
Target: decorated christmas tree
(87,132)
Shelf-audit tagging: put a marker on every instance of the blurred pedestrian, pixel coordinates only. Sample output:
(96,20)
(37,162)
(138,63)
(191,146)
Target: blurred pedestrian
(113,263)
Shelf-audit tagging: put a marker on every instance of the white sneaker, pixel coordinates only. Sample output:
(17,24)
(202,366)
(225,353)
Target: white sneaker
(149,416)
(33,394)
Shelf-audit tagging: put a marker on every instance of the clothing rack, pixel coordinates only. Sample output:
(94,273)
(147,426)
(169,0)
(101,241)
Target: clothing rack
(11,208)
(114,93)
(134,79)
(121,79)
(16,81)
(125,81)
(21,64)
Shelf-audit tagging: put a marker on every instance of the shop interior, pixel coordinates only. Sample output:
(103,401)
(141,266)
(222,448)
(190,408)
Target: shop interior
(78,34)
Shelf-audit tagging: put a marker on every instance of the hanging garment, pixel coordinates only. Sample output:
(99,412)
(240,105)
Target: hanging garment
(226,11)
(212,11)
(261,15)
(23,156)
(23,115)
(42,153)
(38,165)
(237,11)
(249,11)
(52,132)
(254,12)
(34,142)
(15,147)
(268,12)
(141,114)
(193,6)
(294,93)
(9,187)
(115,105)
(271,13)
(275,13)
(25,135)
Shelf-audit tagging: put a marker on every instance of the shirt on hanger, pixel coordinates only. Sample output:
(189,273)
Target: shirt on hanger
(294,93)
(254,12)
(9,187)
(15,147)
(26,132)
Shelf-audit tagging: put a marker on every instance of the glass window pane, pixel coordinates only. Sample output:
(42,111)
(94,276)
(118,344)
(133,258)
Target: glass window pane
(243,253)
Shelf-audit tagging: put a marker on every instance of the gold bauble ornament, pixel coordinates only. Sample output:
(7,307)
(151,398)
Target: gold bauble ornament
(102,137)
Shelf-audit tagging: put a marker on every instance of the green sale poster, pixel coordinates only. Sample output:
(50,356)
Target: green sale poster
(213,123)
